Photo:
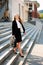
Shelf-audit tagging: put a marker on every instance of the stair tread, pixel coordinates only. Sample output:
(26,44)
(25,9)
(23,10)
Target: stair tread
(5,30)
(9,49)
(6,33)
(7,55)
(5,43)
(8,42)
(16,54)
(21,61)
(24,43)
(5,38)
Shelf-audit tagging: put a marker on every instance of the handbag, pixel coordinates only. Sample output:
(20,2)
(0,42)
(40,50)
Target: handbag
(12,40)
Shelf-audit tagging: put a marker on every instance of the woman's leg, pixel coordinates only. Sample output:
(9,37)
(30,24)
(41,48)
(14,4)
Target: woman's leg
(15,46)
(19,48)
(15,49)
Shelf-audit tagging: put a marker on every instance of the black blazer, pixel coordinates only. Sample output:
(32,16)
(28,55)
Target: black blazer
(15,28)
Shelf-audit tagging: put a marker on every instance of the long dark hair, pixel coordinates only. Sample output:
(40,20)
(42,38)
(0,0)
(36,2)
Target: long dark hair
(20,20)
(14,18)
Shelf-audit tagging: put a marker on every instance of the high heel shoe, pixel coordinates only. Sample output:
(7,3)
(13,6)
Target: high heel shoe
(15,52)
(21,55)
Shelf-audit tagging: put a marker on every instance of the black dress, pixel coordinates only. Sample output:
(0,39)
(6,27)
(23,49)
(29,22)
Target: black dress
(16,32)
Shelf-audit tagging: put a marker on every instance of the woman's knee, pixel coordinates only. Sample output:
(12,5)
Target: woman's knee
(18,44)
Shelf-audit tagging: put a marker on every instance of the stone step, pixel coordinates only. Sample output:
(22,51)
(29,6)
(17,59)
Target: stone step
(5,34)
(7,56)
(21,61)
(5,30)
(29,33)
(5,23)
(9,31)
(6,44)
(5,27)
(10,62)
(2,40)
(23,45)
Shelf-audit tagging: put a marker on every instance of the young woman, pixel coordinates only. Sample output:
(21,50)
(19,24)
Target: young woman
(17,28)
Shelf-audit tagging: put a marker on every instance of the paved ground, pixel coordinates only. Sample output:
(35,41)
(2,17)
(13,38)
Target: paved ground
(36,56)
(41,37)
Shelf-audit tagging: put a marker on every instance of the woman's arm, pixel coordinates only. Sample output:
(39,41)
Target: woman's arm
(14,27)
(22,27)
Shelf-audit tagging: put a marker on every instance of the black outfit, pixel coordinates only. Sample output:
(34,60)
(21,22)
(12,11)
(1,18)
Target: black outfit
(16,32)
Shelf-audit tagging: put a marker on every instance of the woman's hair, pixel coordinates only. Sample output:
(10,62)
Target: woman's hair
(20,20)
(14,18)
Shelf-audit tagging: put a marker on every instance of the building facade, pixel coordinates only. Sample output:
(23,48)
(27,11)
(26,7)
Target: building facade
(14,8)
(18,7)
(32,9)
(25,8)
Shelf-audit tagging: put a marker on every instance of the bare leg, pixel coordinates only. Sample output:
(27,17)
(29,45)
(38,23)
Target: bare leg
(19,48)
(15,49)
(15,46)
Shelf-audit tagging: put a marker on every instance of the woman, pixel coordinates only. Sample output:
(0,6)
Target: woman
(17,27)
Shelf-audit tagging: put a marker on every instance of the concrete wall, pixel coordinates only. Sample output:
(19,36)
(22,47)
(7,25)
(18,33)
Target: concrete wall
(25,13)
(18,7)
(14,8)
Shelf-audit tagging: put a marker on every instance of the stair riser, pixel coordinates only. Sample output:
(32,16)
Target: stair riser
(1,50)
(5,40)
(28,34)
(5,57)
(30,37)
(1,28)
(2,36)
(8,44)
(4,31)
(9,33)
(5,48)
(17,56)
(30,49)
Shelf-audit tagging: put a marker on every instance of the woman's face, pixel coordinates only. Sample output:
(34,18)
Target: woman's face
(17,17)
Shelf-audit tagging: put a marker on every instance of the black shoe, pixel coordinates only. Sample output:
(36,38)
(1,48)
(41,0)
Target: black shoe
(21,55)
(14,52)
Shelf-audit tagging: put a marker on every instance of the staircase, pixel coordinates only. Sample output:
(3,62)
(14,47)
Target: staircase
(7,56)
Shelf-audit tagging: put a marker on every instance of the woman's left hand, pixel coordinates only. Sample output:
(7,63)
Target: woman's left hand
(25,33)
